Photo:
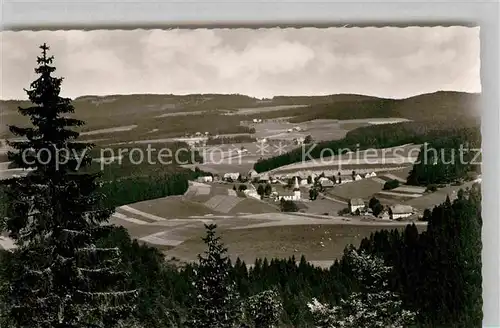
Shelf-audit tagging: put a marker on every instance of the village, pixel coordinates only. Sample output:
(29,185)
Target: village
(302,190)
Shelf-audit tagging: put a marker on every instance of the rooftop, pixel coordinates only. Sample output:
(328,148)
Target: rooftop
(357,202)
(401,209)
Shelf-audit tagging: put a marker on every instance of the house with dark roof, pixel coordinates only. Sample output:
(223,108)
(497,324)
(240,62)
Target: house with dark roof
(400,211)
(326,183)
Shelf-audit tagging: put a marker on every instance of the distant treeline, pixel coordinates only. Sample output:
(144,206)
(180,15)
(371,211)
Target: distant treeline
(134,189)
(377,136)
(124,185)
(448,159)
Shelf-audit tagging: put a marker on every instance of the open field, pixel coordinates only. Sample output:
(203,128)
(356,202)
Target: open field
(410,189)
(174,207)
(429,200)
(180,114)
(109,130)
(402,174)
(317,242)
(323,206)
(363,189)
(318,129)
(257,110)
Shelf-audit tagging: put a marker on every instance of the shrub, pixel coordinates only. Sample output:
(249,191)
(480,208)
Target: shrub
(391,184)
(344,211)
(431,188)
(288,206)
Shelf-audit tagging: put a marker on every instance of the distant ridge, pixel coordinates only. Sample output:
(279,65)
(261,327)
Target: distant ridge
(333,96)
(102,112)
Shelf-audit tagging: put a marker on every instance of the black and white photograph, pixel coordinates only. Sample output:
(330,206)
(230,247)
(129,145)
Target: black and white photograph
(269,177)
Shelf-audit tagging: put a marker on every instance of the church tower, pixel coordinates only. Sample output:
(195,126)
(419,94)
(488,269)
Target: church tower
(296,189)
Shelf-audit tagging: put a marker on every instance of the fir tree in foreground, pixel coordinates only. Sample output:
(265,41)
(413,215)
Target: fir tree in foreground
(215,303)
(264,309)
(58,276)
(375,306)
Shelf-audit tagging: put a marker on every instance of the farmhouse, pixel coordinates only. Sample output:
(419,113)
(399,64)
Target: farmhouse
(231,176)
(299,141)
(355,204)
(326,183)
(251,193)
(294,195)
(252,174)
(370,175)
(400,211)
(264,178)
(207,178)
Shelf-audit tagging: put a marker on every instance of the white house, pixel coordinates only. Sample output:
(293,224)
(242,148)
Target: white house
(299,141)
(231,176)
(355,204)
(251,193)
(207,178)
(357,177)
(303,182)
(370,175)
(400,211)
(252,174)
(264,178)
(294,195)
(326,183)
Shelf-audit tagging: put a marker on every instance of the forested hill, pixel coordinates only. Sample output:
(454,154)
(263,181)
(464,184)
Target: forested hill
(437,104)
(433,106)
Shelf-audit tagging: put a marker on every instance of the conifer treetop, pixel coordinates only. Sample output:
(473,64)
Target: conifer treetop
(51,129)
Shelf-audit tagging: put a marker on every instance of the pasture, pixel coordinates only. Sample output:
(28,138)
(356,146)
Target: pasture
(363,189)
(317,242)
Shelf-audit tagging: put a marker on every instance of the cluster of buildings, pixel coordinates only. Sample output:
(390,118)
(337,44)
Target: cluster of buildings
(293,195)
(293,192)
(392,212)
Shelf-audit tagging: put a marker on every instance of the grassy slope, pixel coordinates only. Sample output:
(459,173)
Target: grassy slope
(282,242)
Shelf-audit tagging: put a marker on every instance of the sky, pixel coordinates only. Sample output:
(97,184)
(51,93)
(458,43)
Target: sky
(386,62)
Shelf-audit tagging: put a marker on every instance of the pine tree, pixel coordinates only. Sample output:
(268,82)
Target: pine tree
(59,277)
(374,306)
(215,303)
(264,309)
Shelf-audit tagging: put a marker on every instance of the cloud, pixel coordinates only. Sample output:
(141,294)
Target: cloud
(387,62)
